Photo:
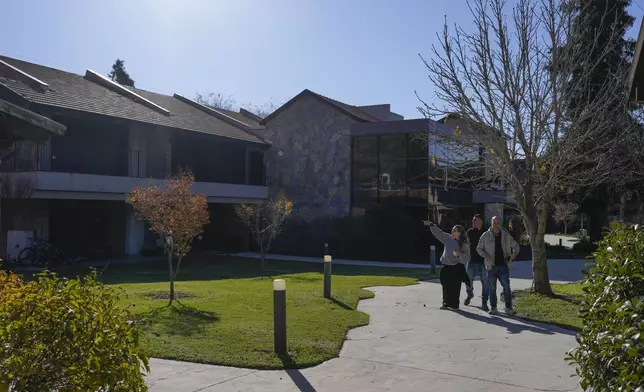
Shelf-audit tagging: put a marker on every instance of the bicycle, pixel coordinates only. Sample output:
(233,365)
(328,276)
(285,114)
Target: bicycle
(41,252)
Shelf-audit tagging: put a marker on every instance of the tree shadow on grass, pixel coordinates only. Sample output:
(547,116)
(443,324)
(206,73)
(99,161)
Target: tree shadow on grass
(177,319)
(341,304)
(296,376)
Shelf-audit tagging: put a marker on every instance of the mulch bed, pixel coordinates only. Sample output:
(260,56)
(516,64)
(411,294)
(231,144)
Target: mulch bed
(167,296)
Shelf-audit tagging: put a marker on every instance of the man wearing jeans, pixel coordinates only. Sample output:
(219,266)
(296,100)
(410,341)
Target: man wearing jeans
(498,249)
(476,265)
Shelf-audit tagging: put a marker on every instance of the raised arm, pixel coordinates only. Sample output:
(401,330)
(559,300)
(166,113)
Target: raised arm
(437,232)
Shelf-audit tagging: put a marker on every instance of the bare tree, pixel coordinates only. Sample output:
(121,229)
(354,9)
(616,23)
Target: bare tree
(262,110)
(565,212)
(507,79)
(265,222)
(217,101)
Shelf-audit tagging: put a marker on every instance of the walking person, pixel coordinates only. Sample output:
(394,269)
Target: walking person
(456,253)
(498,249)
(476,266)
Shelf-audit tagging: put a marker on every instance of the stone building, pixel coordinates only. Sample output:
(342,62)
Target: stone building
(333,159)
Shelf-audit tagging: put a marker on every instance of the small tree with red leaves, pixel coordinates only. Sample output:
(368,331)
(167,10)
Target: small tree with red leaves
(175,214)
(265,221)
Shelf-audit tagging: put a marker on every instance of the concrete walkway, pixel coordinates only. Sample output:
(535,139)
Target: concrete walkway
(568,242)
(409,345)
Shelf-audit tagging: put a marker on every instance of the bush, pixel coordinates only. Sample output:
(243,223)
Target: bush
(584,247)
(610,352)
(67,335)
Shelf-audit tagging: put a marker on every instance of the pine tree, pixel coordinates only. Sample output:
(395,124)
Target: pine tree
(600,23)
(120,75)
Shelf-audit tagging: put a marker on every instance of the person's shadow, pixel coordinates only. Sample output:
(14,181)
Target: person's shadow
(514,328)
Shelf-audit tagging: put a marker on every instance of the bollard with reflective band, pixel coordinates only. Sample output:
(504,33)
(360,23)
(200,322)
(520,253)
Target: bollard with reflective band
(279,315)
(327,276)
(432,258)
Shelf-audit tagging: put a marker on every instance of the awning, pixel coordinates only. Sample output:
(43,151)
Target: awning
(18,123)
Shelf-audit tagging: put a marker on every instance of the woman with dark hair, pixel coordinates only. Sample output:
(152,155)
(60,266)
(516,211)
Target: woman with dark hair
(456,254)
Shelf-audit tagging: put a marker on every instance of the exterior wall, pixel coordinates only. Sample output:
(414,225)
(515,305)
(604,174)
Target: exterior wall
(310,162)
(134,232)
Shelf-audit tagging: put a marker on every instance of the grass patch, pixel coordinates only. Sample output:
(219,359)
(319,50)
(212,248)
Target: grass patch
(229,321)
(561,310)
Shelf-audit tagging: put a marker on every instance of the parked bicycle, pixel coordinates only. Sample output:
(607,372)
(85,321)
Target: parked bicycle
(41,252)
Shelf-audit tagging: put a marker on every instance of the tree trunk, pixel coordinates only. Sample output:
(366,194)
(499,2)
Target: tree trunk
(622,206)
(540,265)
(565,228)
(262,256)
(171,274)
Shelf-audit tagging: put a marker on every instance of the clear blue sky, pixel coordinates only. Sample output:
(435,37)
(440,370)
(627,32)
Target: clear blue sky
(357,51)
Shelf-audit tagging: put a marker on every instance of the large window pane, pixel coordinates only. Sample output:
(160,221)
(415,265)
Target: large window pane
(362,196)
(393,147)
(365,149)
(417,195)
(418,171)
(393,174)
(417,148)
(364,173)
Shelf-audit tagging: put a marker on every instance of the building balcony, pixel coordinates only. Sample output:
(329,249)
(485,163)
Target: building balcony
(77,186)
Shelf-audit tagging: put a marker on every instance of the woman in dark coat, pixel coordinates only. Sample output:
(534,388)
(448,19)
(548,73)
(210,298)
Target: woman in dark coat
(456,254)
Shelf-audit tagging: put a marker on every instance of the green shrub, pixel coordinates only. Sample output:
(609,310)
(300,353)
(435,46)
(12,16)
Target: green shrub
(610,352)
(67,335)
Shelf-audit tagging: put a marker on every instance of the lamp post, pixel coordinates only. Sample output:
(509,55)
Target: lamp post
(279,315)
(327,272)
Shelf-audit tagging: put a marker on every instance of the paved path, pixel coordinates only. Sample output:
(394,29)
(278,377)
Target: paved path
(566,270)
(568,242)
(409,345)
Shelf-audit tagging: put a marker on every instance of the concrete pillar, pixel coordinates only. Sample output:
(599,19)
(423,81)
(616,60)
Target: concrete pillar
(134,232)
(491,210)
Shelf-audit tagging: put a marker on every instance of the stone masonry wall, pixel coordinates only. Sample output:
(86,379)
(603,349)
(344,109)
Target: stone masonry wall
(314,169)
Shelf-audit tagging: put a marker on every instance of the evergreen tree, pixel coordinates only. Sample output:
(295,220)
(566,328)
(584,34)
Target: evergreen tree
(600,24)
(120,75)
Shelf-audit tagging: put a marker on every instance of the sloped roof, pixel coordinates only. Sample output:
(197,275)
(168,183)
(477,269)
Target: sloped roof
(352,111)
(252,123)
(71,91)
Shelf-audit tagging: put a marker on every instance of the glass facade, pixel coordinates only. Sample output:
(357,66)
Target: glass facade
(396,170)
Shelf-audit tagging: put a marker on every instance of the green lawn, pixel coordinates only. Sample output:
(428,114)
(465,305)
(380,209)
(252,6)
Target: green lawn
(562,310)
(229,319)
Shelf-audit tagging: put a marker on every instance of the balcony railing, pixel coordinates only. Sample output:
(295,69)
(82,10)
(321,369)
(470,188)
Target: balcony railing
(27,156)
(140,166)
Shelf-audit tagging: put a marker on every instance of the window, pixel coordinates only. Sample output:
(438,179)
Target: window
(393,174)
(416,148)
(392,147)
(418,171)
(364,173)
(365,149)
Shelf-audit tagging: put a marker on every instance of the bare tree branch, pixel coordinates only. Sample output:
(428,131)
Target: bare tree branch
(508,81)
